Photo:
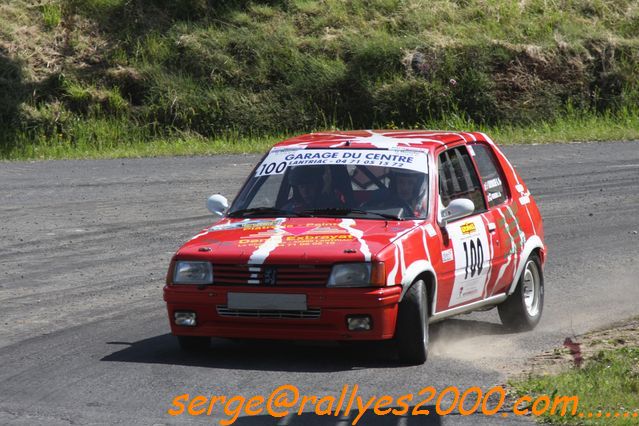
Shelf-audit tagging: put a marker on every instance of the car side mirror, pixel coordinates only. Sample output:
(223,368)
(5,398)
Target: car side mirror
(461,207)
(217,204)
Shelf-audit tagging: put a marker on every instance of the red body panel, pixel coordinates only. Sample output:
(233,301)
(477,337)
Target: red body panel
(403,246)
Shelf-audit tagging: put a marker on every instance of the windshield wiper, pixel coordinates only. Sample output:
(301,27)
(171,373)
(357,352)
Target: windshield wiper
(270,211)
(345,210)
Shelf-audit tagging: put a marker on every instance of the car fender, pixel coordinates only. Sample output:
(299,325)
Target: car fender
(415,269)
(532,243)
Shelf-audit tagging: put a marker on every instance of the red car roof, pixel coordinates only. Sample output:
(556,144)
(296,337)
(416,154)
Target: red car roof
(426,139)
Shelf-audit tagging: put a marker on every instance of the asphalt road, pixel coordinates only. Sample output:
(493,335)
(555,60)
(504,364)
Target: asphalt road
(85,246)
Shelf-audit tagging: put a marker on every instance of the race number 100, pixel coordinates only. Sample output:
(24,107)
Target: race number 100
(474,257)
(271,168)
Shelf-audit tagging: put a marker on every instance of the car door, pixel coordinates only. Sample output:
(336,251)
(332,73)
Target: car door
(504,226)
(467,245)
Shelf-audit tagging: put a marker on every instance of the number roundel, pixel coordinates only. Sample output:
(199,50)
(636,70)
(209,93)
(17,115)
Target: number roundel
(271,168)
(474,257)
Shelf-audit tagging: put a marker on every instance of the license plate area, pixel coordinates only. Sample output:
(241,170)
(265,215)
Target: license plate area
(267,301)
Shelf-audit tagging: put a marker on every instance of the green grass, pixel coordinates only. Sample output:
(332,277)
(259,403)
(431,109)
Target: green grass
(118,138)
(535,70)
(608,383)
(51,15)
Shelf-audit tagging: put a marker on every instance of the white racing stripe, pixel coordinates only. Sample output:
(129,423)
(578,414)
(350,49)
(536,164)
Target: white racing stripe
(347,224)
(401,256)
(446,134)
(471,136)
(206,231)
(393,273)
(522,239)
(503,268)
(380,140)
(424,242)
(492,255)
(259,256)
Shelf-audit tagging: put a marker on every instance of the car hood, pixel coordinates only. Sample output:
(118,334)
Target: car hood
(294,240)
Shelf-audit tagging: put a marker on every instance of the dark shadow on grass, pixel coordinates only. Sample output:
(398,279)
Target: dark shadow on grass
(13,91)
(272,355)
(139,17)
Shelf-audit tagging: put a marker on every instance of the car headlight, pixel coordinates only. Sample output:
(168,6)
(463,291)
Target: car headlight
(357,275)
(192,272)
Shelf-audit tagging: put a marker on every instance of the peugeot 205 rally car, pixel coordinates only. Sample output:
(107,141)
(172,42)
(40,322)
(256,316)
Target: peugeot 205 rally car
(363,235)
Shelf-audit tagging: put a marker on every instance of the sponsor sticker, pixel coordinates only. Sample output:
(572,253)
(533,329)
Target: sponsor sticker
(468,228)
(493,196)
(430,230)
(278,160)
(313,229)
(248,224)
(298,240)
(447,255)
(320,238)
(492,183)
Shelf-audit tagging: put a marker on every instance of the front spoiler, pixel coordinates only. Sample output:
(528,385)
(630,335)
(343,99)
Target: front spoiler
(334,305)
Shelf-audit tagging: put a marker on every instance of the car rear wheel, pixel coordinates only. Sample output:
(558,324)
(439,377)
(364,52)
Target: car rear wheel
(522,310)
(411,330)
(193,343)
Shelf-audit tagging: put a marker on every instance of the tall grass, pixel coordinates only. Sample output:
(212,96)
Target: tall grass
(609,383)
(51,15)
(249,68)
(119,138)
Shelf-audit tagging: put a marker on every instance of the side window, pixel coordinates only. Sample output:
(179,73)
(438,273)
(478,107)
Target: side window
(491,175)
(458,178)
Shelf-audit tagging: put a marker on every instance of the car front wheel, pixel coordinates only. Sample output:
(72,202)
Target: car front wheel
(411,330)
(522,310)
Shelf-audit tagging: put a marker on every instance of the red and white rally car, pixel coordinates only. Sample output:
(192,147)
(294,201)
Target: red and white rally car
(364,235)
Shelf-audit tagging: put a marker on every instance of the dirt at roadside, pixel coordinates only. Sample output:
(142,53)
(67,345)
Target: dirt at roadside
(577,350)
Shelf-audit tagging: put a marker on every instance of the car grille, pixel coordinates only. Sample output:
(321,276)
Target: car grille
(277,275)
(224,311)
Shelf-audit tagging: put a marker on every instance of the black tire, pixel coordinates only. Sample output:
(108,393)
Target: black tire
(519,312)
(193,343)
(411,330)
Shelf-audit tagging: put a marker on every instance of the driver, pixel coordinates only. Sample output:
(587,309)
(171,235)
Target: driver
(404,191)
(406,186)
(308,189)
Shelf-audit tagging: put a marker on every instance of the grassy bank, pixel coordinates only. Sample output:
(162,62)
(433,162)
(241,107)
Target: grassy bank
(607,381)
(112,138)
(134,77)
(607,387)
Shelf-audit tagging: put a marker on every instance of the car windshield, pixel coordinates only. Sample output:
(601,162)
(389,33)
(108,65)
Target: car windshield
(355,183)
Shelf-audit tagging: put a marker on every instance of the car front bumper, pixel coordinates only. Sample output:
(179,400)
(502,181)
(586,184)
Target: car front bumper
(328,309)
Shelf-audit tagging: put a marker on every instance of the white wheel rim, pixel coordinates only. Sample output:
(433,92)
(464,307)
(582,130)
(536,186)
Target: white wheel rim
(531,289)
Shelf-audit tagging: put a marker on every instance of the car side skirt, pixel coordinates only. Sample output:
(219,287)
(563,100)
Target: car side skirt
(493,300)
